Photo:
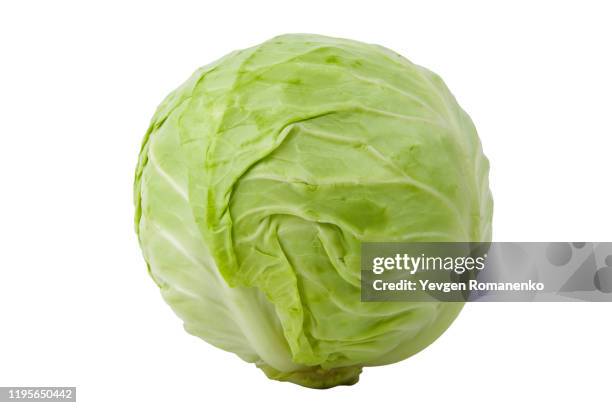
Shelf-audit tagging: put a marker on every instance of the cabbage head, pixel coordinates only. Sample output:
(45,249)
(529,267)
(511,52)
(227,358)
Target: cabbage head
(260,176)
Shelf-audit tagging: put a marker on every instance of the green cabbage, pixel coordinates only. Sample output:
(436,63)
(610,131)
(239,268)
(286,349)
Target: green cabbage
(261,175)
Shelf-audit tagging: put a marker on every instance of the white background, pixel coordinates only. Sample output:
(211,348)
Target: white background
(78,84)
